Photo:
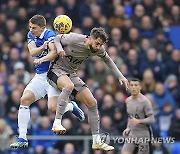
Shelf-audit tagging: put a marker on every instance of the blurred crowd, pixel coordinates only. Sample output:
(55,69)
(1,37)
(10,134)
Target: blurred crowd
(139,44)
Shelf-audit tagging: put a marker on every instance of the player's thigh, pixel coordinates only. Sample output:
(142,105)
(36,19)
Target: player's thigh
(86,97)
(65,82)
(27,98)
(59,79)
(36,89)
(128,148)
(53,94)
(144,148)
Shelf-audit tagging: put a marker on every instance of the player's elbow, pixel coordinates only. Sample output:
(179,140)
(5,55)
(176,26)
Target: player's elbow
(32,53)
(152,120)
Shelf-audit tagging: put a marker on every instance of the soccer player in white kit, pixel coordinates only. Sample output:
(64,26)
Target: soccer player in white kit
(40,43)
(62,75)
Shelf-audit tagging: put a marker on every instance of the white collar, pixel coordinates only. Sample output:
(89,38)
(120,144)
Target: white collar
(42,34)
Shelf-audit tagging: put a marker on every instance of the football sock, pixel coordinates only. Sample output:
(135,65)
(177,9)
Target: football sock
(93,119)
(23,120)
(62,103)
(96,138)
(69,107)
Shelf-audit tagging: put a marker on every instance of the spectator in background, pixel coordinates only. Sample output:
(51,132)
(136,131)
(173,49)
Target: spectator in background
(174,130)
(11,119)
(174,88)
(5,133)
(133,63)
(117,20)
(146,27)
(3,100)
(44,130)
(148,82)
(22,75)
(100,72)
(107,106)
(134,37)
(161,96)
(107,125)
(166,55)
(115,38)
(153,63)
(119,120)
(69,149)
(138,13)
(113,53)
(110,86)
(173,65)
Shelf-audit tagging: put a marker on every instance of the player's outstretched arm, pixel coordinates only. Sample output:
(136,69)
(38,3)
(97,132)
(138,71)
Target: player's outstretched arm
(34,51)
(109,62)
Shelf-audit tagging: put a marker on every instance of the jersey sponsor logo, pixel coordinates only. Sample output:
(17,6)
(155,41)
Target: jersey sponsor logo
(73,60)
(44,53)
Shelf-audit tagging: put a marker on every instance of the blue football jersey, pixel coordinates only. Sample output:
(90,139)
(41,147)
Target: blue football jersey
(47,35)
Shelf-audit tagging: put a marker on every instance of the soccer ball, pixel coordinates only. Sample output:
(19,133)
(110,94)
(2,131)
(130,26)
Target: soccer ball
(62,24)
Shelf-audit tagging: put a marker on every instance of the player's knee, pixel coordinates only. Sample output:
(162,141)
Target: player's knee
(92,102)
(25,100)
(69,86)
(52,108)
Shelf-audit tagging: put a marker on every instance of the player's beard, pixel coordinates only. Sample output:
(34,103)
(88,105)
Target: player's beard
(92,49)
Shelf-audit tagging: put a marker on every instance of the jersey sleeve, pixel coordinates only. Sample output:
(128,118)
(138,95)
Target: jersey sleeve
(148,111)
(50,36)
(30,38)
(67,39)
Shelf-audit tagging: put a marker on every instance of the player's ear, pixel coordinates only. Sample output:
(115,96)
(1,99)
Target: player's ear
(43,27)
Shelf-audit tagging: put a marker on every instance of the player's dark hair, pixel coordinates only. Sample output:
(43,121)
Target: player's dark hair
(134,79)
(99,33)
(38,20)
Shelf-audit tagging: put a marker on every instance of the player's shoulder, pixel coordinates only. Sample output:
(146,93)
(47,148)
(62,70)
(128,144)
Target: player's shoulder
(128,99)
(74,37)
(77,35)
(49,33)
(144,99)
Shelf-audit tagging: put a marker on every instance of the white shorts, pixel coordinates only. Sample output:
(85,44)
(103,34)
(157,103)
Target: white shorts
(40,87)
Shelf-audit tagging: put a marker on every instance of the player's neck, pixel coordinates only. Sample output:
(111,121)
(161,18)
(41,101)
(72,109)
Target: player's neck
(86,43)
(136,96)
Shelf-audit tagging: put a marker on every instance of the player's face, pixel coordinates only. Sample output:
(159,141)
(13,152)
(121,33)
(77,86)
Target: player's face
(95,44)
(35,29)
(134,88)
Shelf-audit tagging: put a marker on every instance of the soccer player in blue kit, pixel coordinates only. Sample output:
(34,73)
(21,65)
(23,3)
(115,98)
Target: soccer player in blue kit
(40,43)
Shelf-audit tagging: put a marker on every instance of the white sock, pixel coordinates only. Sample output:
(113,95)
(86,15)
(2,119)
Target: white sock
(23,120)
(69,107)
(57,121)
(96,138)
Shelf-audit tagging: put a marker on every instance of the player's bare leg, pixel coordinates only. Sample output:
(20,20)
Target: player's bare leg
(86,97)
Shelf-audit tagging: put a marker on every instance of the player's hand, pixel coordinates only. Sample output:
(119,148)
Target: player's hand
(62,54)
(125,82)
(38,61)
(134,121)
(126,132)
